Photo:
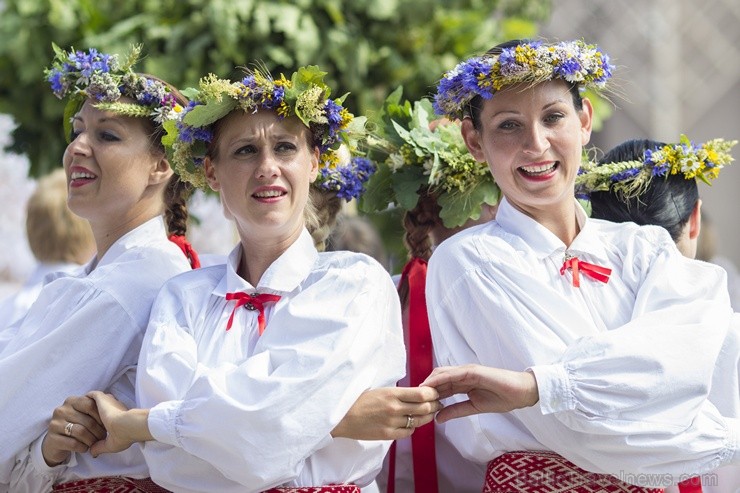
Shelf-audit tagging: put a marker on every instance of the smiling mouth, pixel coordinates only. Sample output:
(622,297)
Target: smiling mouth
(269,194)
(81,176)
(538,169)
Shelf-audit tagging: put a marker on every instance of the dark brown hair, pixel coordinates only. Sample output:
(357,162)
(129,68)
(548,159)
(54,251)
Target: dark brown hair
(177,191)
(418,224)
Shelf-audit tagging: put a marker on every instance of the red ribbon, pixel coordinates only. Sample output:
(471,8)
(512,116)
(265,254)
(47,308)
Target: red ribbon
(254,301)
(421,363)
(595,272)
(187,249)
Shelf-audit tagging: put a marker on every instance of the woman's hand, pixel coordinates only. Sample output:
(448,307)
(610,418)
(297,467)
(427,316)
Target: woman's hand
(383,414)
(124,426)
(489,390)
(74,427)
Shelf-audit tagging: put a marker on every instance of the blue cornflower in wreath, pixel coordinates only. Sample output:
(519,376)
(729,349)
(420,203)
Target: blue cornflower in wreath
(529,62)
(105,79)
(630,179)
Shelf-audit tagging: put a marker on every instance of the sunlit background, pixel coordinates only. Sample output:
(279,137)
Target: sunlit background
(678,72)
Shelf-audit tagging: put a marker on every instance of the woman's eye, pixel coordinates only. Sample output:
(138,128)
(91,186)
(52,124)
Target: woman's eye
(108,137)
(554,117)
(250,149)
(74,134)
(285,147)
(507,125)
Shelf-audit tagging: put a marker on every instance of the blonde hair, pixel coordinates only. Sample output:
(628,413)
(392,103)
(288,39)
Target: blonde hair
(321,215)
(54,233)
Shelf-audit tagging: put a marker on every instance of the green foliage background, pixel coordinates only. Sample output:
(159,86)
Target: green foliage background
(368,47)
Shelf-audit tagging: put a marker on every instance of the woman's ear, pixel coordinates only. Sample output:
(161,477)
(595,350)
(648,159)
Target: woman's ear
(315,157)
(210,172)
(472,139)
(162,171)
(586,116)
(695,221)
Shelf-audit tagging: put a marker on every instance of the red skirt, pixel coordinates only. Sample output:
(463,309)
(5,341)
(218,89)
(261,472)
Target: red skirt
(548,472)
(112,484)
(333,488)
(119,484)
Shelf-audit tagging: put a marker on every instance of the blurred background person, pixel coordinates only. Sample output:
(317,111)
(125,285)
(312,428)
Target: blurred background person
(60,241)
(357,234)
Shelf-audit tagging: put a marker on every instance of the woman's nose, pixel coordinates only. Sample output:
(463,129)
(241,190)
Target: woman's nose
(79,146)
(537,140)
(268,166)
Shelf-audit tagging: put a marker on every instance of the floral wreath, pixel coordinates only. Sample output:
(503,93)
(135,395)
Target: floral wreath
(412,157)
(103,78)
(529,62)
(305,96)
(630,179)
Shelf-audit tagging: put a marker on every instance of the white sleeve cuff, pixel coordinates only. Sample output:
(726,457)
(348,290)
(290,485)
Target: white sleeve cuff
(733,445)
(162,422)
(40,465)
(554,388)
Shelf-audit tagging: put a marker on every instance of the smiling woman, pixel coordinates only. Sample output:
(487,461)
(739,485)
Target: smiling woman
(247,399)
(583,350)
(85,329)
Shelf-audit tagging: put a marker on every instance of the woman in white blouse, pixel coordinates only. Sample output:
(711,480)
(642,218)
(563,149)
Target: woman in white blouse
(579,342)
(648,193)
(84,331)
(247,367)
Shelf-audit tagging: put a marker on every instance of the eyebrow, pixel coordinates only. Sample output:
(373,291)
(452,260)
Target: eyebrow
(105,119)
(513,112)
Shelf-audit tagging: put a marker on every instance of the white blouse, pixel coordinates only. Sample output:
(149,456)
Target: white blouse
(83,333)
(623,368)
(233,411)
(16,305)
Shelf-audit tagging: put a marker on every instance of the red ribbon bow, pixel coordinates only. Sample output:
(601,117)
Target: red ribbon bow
(254,301)
(595,272)
(187,249)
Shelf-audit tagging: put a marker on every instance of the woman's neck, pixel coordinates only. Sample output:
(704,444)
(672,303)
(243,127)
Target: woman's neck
(106,234)
(559,220)
(259,253)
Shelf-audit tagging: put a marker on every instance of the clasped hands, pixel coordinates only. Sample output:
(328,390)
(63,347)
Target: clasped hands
(383,414)
(99,423)
(96,423)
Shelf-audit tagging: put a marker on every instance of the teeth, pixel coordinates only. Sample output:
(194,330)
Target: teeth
(268,193)
(538,169)
(77,175)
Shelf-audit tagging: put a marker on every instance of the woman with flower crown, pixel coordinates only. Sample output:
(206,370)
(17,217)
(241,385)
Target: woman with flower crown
(247,367)
(424,169)
(574,339)
(84,331)
(654,183)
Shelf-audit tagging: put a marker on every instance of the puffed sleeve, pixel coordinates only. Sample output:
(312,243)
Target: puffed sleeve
(26,478)
(86,338)
(254,425)
(627,401)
